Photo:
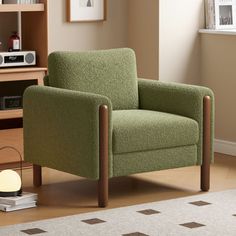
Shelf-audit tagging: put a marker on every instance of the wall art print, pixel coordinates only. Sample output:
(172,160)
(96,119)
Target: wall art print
(86,10)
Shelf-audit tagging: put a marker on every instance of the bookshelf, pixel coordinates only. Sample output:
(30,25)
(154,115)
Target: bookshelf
(13,81)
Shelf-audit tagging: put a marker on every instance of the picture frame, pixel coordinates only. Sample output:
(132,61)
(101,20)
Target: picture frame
(225,14)
(86,10)
(220,14)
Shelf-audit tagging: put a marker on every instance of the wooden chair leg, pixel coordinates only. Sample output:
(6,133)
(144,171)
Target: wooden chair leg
(37,175)
(205,168)
(103,193)
(103,157)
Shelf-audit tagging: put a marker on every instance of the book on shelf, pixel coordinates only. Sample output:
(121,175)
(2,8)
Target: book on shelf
(20,1)
(19,200)
(8,208)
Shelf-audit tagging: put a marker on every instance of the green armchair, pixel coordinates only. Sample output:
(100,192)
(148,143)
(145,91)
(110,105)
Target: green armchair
(96,119)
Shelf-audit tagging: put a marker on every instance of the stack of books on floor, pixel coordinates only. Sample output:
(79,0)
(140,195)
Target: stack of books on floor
(26,200)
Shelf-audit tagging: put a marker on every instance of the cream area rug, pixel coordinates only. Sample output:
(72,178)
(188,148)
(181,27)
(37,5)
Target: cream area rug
(205,214)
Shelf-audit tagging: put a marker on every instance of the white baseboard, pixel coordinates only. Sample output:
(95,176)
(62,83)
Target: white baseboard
(225,147)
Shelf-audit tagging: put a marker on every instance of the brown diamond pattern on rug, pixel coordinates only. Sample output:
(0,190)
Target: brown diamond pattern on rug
(234,214)
(149,212)
(33,231)
(192,225)
(200,203)
(93,221)
(135,234)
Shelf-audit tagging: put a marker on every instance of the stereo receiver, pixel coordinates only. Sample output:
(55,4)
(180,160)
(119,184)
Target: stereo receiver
(21,58)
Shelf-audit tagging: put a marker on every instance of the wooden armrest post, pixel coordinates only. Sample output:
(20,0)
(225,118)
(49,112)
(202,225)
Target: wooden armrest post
(206,160)
(103,157)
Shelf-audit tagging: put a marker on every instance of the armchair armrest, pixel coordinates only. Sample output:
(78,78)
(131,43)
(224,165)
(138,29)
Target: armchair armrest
(46,80)
(180,99)
(64,125)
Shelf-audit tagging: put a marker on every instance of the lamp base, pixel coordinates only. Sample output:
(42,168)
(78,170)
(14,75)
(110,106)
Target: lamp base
(11,194)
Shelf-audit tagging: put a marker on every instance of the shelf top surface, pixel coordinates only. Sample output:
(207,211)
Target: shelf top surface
(11,114)
(21,7)
(21,69)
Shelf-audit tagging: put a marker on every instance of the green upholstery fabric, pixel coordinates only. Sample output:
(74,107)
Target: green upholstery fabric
(46,80)
(180,99)
(152,125)
(142,130)
(111,73)
(61,130)
(137,162)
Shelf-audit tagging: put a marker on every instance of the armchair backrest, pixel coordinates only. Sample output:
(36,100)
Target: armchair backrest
(111,73)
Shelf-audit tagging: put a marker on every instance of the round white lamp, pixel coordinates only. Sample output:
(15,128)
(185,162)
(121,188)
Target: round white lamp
(10,180)
(10,183)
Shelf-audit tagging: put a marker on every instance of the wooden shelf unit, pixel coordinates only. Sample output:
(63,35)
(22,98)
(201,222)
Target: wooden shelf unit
(20,74)
(21,7)
(35,33)
(13,81)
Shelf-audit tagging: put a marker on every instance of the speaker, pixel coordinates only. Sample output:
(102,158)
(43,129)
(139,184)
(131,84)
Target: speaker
(29,58)
(21,58)
(1,59)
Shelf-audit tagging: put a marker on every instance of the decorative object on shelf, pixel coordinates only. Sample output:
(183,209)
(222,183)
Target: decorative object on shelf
(220,14)
(11,181)
(11,102)
(86,10)
(14,42)
(16,59)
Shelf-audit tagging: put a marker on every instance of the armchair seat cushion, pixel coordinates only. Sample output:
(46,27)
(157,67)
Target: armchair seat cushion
(145,130)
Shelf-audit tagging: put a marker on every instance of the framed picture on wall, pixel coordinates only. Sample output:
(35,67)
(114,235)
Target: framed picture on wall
(86,10)
(220,14)
(225,14)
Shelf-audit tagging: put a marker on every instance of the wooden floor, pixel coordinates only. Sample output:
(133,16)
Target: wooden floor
(63,194)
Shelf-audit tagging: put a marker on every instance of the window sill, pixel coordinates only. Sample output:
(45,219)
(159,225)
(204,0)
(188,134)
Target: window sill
(212,31)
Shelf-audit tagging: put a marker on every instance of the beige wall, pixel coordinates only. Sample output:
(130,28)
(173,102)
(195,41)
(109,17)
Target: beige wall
(135,24)
(179,45)
(219,73)
(130,23)
(85,36)
(143,36)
